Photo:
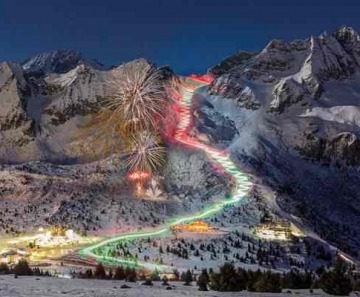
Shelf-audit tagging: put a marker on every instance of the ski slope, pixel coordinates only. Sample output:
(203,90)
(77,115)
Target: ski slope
(100,251)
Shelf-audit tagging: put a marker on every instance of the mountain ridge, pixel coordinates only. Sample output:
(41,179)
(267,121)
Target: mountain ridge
(295,108)
(289,115)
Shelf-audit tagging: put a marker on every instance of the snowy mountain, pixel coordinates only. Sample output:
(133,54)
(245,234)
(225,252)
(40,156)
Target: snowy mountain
(45,102)
(290,116)
(295,106)
(60,61)
(305,81)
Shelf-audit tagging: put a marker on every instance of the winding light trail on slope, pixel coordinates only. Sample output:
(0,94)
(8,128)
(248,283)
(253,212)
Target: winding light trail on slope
(100,251)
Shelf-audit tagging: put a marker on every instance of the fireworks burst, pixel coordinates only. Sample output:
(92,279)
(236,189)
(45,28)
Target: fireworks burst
(145,153)
(138,96)
(136,99)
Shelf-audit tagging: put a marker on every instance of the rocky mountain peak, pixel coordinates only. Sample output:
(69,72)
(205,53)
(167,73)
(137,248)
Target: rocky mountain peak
(327,56)
(11,71)
(306,65)
(236,60)
(59,61)
(277,44)
(347,35)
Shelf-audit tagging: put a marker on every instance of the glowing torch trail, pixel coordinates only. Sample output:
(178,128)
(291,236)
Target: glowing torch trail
(100,251)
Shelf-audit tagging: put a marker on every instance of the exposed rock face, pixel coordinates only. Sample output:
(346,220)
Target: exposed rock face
(277,56)
(236,60)
(15,125)
(312,61)
(190,174)
(211,123)
(341,150)
(229,86)
(78,97)
(46,102)
(344,147)
(58,62)
(286,93)
(291,78)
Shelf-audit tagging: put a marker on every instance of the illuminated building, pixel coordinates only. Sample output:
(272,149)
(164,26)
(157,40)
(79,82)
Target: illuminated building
(197,226)
(12,256)
(275,231)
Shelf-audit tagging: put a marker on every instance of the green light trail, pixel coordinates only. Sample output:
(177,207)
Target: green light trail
(222,158)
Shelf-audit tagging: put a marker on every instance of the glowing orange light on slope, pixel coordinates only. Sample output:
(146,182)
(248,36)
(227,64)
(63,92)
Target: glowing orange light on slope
(139,175)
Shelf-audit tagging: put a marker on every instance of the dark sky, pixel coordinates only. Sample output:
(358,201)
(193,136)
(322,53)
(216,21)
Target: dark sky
(189,35)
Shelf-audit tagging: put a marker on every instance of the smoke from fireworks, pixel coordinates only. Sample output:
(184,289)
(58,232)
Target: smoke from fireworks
(105,137)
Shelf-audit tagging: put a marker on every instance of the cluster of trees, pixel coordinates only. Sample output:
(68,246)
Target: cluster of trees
(230,279)
(231,249)
(120,273)
(336,281)
(22,268)
(334,232)
(237,247)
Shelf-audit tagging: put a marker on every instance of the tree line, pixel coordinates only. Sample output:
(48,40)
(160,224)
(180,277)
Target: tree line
(335,281)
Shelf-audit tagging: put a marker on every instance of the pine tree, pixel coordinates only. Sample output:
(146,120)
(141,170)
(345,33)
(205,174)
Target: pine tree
(356,286)
(155,276)
(227,279)
(4,269)
(202,282)
(297,280)
(119,273)
(268,282)
(88,273)
(100,271)
(336,281)
(188,278)
(130,274)
(22,268)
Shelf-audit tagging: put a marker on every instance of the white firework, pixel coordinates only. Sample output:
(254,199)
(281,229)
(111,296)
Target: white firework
(138,96)
(145,153)
(153,191)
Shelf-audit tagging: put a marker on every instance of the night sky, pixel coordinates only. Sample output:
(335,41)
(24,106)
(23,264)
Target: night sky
(188,35)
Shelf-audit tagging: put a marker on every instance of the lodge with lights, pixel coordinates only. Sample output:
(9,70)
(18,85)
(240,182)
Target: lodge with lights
(195,227)
(12,256)
(280,230)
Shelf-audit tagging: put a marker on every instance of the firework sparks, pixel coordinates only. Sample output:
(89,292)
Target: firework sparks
(138,96)
(145,152)
(136,99)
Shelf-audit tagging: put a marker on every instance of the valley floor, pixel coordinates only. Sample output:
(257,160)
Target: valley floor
(55,287)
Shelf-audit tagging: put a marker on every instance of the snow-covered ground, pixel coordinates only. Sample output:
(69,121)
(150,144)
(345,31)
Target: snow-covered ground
(54,287)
